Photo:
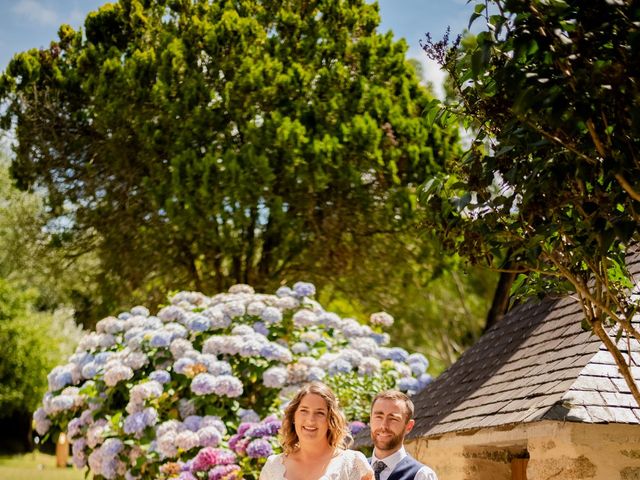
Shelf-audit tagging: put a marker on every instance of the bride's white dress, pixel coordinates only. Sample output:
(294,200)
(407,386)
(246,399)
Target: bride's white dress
(347,465)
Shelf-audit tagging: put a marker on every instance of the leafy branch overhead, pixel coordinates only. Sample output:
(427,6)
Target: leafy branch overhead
(550,184)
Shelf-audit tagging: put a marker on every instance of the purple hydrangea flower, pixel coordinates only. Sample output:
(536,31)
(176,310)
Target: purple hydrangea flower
(137,422)
(259,448)
(192,422)
(264,429)
(215,422)
(204,384)
(186,476)
(356,427)
(228,386)
(242,429)
(209,437)
(225,472)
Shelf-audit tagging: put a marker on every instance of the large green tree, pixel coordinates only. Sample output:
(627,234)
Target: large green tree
(550,187)
(195,144)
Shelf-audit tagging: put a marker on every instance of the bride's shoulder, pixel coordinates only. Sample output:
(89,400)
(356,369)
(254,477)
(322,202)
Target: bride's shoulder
(273,467)
(276,458)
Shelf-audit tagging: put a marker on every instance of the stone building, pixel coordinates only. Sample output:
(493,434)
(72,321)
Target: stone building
(537,398)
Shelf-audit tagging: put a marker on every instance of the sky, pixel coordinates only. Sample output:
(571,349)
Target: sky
(26,24)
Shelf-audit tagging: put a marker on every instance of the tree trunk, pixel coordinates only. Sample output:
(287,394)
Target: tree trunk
(500,303)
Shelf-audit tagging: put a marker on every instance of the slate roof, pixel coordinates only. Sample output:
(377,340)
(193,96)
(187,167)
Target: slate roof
(536,364)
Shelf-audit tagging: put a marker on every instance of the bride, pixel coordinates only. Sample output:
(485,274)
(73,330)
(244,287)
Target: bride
(314,438)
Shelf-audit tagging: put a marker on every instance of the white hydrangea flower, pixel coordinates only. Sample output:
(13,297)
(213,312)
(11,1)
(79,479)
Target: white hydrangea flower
(242,288)
(382,319)
(275,377)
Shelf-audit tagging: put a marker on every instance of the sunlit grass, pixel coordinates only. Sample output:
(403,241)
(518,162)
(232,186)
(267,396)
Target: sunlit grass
(35,466)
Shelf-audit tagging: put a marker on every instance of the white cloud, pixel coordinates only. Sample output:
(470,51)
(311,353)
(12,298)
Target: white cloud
(434,75)
(431,72)
(36,12)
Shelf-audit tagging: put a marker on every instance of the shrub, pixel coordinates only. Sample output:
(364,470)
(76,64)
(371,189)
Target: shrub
(181,393)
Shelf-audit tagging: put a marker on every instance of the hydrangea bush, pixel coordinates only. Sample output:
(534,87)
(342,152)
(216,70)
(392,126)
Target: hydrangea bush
(196,390)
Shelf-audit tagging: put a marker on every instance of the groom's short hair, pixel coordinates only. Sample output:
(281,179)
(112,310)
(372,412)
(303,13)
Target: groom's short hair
(396,395)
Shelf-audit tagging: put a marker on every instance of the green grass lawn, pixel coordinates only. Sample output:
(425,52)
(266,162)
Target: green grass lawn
(36,466)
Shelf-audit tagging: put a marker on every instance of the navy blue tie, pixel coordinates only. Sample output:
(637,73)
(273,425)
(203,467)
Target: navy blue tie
(378,467)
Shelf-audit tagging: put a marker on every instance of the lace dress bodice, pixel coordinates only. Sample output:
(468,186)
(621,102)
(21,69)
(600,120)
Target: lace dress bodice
(347,465)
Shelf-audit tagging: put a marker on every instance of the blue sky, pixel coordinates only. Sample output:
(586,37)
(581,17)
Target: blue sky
(26,24)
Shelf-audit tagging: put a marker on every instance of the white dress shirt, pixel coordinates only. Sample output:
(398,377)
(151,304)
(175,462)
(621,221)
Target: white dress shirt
(425,473)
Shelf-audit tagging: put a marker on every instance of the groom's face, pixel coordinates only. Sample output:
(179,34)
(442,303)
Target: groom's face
(389,424)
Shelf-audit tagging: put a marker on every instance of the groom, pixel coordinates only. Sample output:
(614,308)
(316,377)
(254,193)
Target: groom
(391,420)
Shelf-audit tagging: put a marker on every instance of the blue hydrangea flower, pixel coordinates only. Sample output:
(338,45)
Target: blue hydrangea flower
(329,319)
(398,354)
(261,328)
(181,365)
(380,338)
(273,351)
(135,424)
(160,339)
(424,380)
(339,365)
(90,370)
(271,315)
(408,384)
(304,289)
(285,292)
(199,323)
(417,368)
(60,377)
(315,374)
(112,446)
(160,376)
(248,415)
(192,422)
(171,313)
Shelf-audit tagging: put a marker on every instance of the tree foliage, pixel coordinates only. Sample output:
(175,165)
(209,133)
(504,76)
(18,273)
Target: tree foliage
(200,144)
(32,343)
(439,302)
(36,330)
(33,257)
(551,180)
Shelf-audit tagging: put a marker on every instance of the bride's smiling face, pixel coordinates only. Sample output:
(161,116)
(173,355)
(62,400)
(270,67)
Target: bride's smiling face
(311,418)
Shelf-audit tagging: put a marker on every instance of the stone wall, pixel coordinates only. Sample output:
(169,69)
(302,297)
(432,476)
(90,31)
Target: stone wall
(555,450)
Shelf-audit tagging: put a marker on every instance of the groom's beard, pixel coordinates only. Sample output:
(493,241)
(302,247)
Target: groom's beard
(388,443)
